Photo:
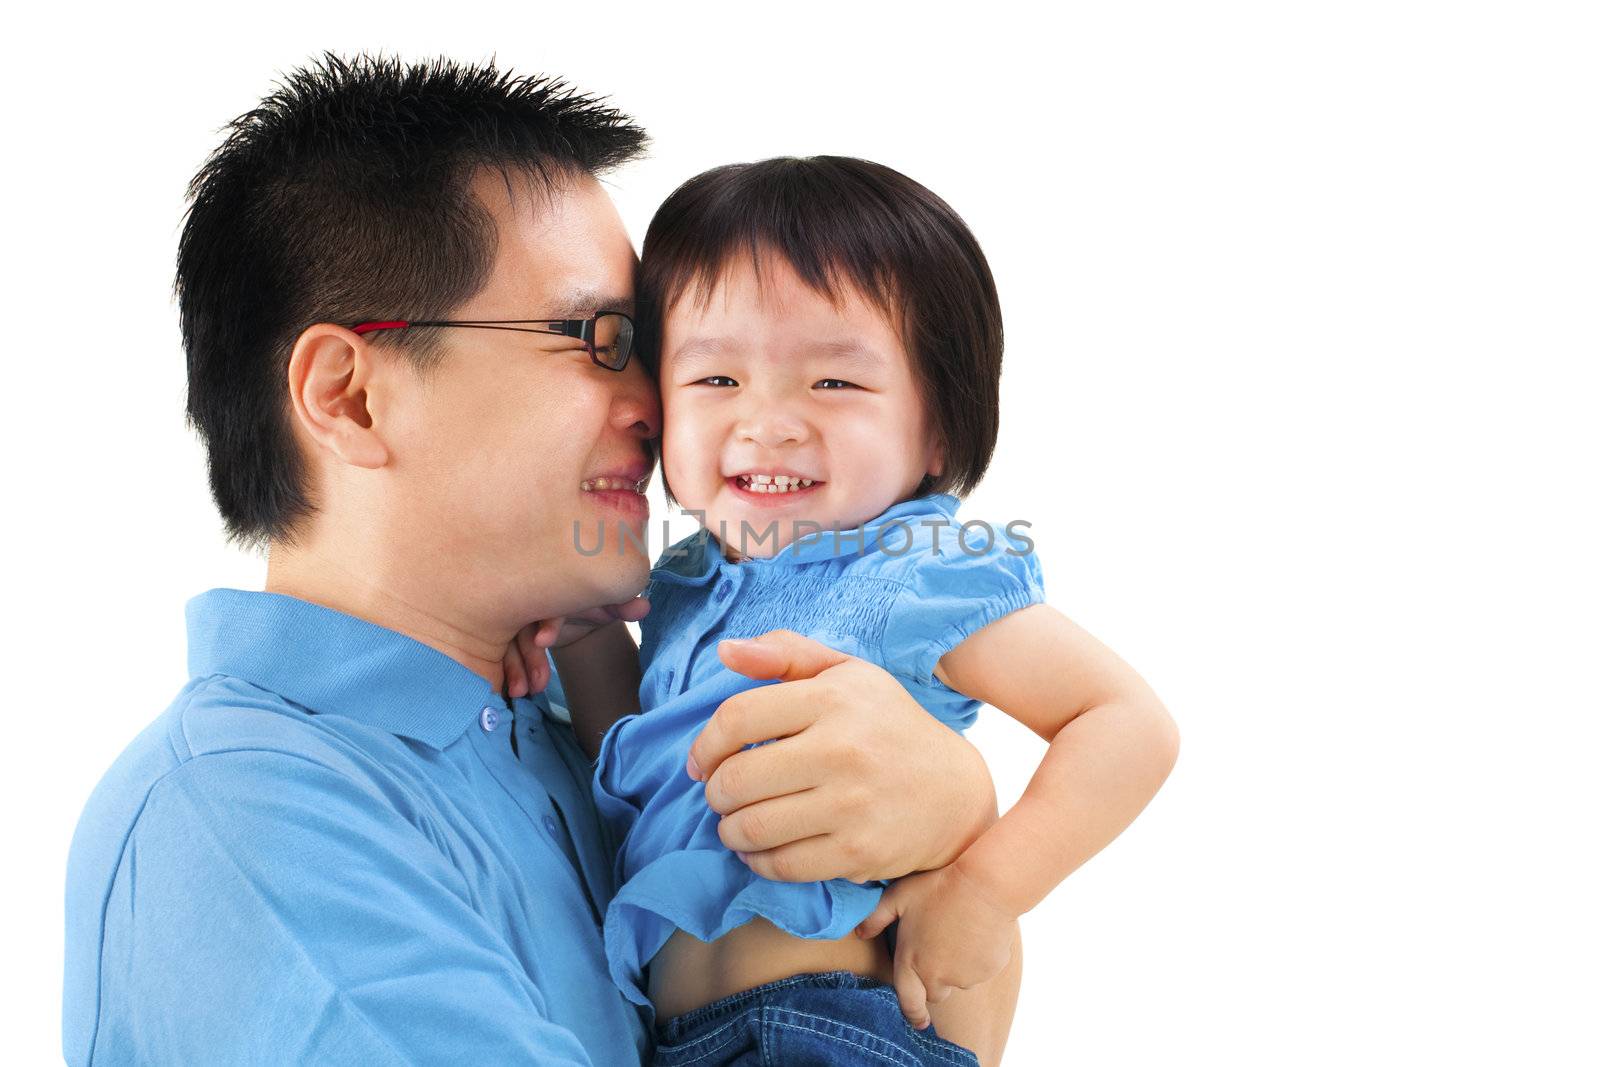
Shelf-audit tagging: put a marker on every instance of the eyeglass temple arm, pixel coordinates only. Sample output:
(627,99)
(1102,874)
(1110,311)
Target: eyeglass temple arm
(578,328)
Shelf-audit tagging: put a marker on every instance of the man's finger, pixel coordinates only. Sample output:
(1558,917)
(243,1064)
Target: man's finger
(780,654)
(769,825)
(913,998)
(813,859)
(782,768)
(760,714)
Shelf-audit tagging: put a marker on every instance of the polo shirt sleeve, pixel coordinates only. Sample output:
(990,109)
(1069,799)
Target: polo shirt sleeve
(272,908)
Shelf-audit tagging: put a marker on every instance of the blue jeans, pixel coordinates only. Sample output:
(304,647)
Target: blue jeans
(811,1020)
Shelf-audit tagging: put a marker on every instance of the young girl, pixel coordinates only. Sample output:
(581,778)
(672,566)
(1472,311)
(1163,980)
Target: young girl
(827,339)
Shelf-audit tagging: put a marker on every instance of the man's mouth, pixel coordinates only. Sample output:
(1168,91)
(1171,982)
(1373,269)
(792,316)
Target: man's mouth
(773,483)
(601,485)
(621,490)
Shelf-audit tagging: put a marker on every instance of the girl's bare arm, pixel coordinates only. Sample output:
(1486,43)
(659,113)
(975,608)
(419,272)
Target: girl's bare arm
(600,676)
(1112,745)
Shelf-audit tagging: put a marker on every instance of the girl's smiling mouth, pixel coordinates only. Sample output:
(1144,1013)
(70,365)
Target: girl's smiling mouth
(769,488)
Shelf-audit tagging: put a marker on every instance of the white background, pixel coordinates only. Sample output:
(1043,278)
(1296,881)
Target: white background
(1299,396)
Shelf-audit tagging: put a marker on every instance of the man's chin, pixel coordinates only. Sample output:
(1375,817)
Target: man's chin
(601,567)
(617,578)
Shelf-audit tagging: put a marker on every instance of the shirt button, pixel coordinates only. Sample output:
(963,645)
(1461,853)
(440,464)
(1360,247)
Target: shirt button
(550,825)
(724,591)
(489,719)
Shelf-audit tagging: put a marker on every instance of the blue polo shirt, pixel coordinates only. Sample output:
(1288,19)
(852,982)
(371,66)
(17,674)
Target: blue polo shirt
(339,845)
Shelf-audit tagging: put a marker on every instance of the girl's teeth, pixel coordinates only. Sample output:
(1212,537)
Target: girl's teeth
(774,483)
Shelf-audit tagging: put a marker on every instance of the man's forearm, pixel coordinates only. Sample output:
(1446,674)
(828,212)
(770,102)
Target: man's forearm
(600,676)
(971,799)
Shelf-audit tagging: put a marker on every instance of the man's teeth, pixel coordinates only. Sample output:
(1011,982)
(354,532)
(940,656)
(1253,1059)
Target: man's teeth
(594,485)
(773,483)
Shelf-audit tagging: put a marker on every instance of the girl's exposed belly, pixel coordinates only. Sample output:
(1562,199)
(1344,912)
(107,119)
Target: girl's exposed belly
(689,973)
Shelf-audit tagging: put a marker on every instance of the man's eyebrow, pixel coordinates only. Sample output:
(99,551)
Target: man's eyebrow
(581,303)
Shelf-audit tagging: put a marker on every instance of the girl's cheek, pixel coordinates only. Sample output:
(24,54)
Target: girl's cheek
(692,448)
(684,463)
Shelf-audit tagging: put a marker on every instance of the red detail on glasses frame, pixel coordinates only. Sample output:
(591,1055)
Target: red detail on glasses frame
(368,327)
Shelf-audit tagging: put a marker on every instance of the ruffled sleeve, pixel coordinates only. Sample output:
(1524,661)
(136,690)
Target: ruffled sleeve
(953,590)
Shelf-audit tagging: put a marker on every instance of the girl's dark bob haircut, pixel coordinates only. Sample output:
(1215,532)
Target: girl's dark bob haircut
(843,222)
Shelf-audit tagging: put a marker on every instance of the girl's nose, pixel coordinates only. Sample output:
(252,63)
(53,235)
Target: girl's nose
(770,426)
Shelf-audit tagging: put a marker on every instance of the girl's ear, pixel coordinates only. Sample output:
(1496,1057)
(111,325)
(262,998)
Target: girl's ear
(936,460)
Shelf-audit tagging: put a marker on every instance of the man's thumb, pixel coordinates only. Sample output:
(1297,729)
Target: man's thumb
(780,654)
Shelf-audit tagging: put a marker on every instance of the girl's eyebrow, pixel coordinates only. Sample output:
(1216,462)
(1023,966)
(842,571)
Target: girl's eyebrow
(850,351)
(700,348)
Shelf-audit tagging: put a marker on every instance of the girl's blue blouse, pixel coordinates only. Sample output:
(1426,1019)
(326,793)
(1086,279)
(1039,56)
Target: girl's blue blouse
(899,591)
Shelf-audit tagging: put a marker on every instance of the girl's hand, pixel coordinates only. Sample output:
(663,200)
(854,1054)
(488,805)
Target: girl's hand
(526,664)
(952,936)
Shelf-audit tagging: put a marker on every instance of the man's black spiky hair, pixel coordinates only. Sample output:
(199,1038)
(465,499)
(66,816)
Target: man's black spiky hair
(345,194)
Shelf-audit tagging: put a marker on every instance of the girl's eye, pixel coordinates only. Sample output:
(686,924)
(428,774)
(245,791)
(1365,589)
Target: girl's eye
(721,381)
(834,383)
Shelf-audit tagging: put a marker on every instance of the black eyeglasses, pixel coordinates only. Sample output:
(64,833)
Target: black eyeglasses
(608,337)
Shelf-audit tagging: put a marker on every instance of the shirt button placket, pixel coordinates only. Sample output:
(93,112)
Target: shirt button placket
(722,596)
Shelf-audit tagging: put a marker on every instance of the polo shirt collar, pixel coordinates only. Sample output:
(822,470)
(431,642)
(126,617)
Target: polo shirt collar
(335,664)
(698,558)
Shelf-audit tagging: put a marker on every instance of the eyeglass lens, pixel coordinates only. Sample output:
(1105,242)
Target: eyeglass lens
(612,340)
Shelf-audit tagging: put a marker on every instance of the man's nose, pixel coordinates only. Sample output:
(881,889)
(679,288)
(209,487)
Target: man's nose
(636,406)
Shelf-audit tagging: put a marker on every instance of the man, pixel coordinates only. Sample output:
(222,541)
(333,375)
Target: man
(343,843)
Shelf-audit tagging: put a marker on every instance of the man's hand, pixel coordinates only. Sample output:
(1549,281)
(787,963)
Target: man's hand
(527,666)
(861,783)
(952,935)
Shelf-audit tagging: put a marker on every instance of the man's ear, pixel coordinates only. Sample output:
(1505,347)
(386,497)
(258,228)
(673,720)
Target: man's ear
(330,369)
